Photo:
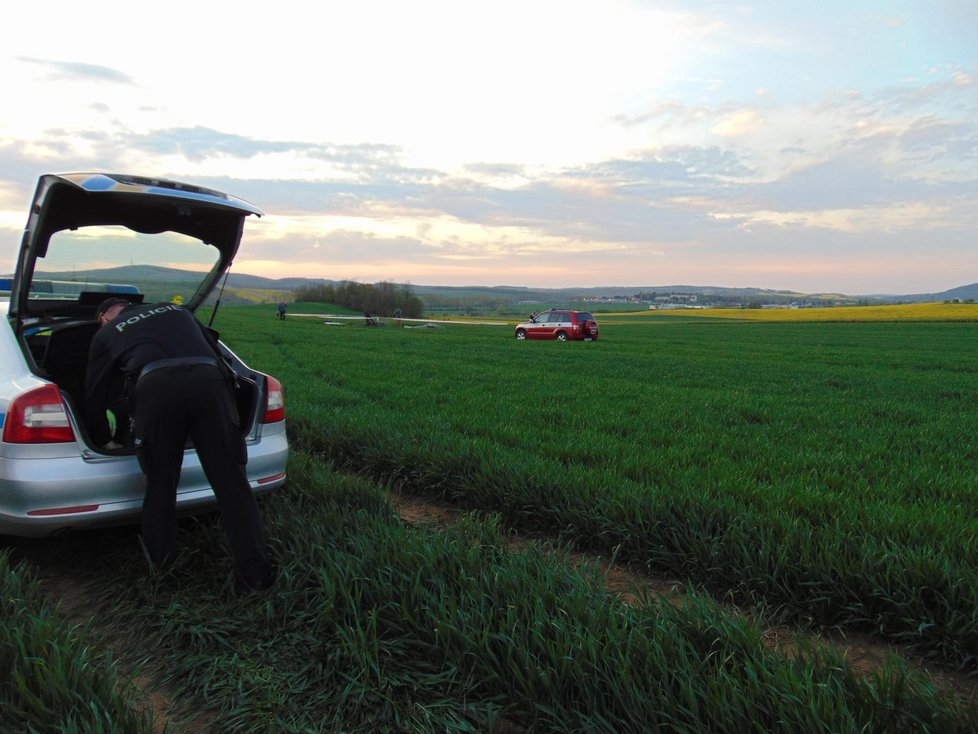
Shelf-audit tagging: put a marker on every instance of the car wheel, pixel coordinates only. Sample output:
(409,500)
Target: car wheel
(561,336)
(520,334)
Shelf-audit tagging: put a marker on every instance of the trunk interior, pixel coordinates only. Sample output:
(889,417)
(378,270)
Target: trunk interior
(59,352)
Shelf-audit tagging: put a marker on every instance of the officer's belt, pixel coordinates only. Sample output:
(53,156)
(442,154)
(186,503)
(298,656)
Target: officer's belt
(158,364)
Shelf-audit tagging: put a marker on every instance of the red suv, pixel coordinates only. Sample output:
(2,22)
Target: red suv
(560,325)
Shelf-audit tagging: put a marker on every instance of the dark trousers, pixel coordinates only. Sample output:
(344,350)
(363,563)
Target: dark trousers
(196,401)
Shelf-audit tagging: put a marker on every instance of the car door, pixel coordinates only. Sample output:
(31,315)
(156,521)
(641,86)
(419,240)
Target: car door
(540,328)
(560,322)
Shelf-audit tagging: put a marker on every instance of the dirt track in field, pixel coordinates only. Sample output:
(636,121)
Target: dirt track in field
(865,653)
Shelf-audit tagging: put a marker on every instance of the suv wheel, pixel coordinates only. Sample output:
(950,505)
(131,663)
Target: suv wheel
(561,336)
(521,334)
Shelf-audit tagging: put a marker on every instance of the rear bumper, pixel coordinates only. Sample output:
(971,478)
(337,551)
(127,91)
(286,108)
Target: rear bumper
(40,497)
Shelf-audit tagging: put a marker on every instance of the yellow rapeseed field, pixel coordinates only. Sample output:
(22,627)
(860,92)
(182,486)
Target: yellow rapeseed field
(261,295)
(898,312)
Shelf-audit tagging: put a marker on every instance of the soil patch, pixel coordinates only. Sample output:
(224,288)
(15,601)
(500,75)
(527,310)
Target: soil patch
(865,653)
(55,565)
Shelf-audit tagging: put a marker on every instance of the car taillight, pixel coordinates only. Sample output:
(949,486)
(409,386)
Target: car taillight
(274,401)
(38,416)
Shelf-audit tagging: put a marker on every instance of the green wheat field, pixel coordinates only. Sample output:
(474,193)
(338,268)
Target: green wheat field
(820,475)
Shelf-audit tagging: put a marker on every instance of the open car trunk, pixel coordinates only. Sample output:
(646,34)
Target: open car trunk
(91,236)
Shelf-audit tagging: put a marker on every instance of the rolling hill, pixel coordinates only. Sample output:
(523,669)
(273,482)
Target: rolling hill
(240,283)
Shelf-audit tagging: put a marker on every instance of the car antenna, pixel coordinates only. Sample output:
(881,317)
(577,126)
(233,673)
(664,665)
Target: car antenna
(217,303)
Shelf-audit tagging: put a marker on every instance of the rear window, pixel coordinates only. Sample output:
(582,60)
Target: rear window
(584,316)
(163,267)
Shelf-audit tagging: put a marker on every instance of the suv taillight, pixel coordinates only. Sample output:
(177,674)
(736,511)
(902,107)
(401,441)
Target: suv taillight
(38,416)
(274,401)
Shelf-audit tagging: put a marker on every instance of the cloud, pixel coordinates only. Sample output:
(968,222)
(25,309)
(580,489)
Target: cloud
(676,164)
(341,247)
(951,144)
(73,71)
(740,122)
(198,143)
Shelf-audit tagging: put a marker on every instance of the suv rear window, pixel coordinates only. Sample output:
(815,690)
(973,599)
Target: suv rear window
(582,316)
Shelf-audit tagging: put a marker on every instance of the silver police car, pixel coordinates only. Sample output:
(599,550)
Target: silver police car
(91,236)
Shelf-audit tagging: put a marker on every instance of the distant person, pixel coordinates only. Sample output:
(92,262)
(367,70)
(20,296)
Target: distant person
(180,389)
(282,308)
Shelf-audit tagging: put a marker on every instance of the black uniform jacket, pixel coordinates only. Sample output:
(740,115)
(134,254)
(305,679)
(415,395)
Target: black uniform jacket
(139,335)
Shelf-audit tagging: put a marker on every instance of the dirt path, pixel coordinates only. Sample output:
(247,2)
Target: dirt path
(865,653)
(76,596)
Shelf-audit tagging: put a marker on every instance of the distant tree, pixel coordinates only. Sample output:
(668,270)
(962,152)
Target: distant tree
(317,293)
(380,299)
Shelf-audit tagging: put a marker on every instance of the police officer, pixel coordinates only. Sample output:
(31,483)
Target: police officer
(181,389)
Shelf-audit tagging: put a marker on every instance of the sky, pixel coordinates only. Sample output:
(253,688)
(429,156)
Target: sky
(819,147)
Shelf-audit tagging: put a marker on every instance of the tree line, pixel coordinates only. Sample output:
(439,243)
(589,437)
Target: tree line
(379,299)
